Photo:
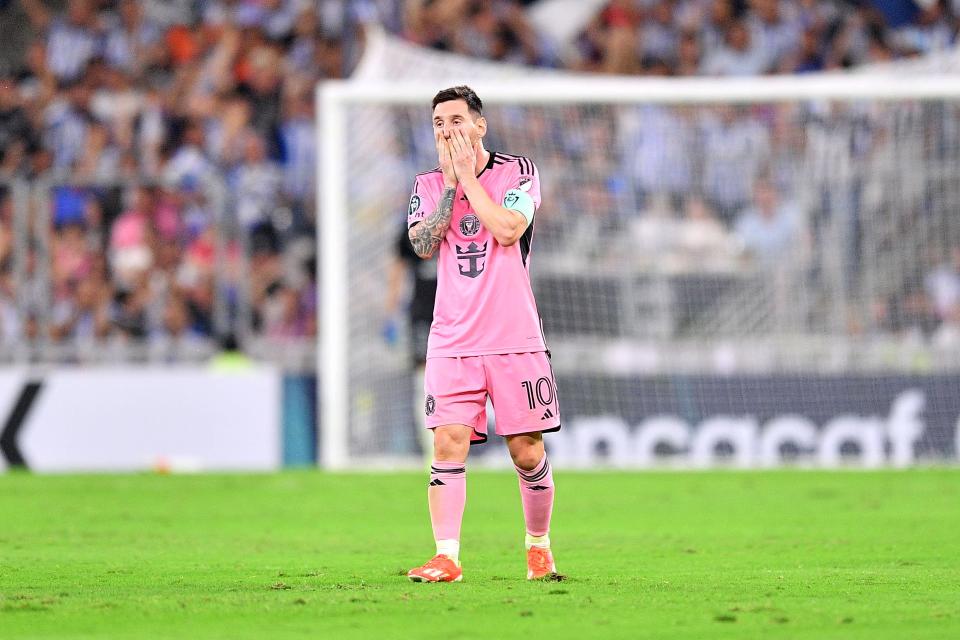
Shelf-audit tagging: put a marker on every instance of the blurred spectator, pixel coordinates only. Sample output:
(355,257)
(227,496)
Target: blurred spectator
(738,56)
(298,143)
(82,311)
(717,22)
(132,42)
(73,255)
(129,312)
(100,158)
(300,54)
(174,331)
(74,205)
(199,297)
(770,230)
(942,286)
(261,88)
(658,36)
(67,120)
(735,145)
(815,15)
(776,30)
(190,161)
(166,13)
(10,321)
(284,316)
(479,32)
(908,314)
(131,239)
(656,142)
(16,135)
(256,183)
(35,80)
(689,54)
(929,31)
(702,236)
(72,39)
(807,58)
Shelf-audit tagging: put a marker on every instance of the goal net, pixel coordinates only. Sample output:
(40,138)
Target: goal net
(737,272)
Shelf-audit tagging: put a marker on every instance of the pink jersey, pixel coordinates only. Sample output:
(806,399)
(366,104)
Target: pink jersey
(484,301)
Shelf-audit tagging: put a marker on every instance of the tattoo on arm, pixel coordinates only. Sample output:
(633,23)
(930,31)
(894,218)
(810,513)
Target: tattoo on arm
(427,236)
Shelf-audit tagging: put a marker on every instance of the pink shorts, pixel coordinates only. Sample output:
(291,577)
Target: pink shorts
(521,387)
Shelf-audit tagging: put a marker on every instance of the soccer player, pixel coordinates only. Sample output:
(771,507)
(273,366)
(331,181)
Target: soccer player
(477,210)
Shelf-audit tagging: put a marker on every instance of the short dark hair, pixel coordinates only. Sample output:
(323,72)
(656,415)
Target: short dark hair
(461,92)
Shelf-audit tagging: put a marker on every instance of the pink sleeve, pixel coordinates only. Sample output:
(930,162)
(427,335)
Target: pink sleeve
(527,178)
(423,201)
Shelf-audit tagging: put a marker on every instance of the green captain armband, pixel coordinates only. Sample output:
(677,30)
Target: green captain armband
(519,201)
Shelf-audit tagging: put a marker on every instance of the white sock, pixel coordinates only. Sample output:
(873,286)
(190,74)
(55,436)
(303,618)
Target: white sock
(450,548)
(537,541)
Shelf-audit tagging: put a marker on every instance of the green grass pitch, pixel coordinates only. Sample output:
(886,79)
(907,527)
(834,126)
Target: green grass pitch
(787,554)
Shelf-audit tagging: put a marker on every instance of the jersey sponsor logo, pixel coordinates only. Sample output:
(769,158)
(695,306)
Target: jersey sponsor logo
(470,225)
(525,183)
(430,405)
(414,204)
(471,259)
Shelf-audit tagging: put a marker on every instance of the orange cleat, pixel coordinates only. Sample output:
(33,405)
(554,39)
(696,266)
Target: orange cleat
(540,564)
(439,569)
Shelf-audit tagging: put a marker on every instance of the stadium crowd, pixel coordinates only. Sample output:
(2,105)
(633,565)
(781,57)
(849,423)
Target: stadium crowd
(176,138)
(695,37)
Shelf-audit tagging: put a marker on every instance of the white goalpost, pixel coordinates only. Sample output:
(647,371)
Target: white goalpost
(643,261)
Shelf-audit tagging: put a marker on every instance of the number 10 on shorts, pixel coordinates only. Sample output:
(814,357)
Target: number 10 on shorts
(541,391)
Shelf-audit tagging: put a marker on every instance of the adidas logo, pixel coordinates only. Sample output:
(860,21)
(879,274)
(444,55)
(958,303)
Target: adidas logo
(547,414)
(437,483)
(538,487)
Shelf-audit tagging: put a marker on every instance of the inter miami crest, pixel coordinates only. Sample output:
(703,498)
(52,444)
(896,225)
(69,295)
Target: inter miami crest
(470,225)
(430,406)
(472,259)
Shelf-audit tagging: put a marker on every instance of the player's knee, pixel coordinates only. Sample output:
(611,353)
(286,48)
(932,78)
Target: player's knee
(450,443)
(526,450)
(528,457)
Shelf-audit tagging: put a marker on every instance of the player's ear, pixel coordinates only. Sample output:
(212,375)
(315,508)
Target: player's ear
(481,125)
